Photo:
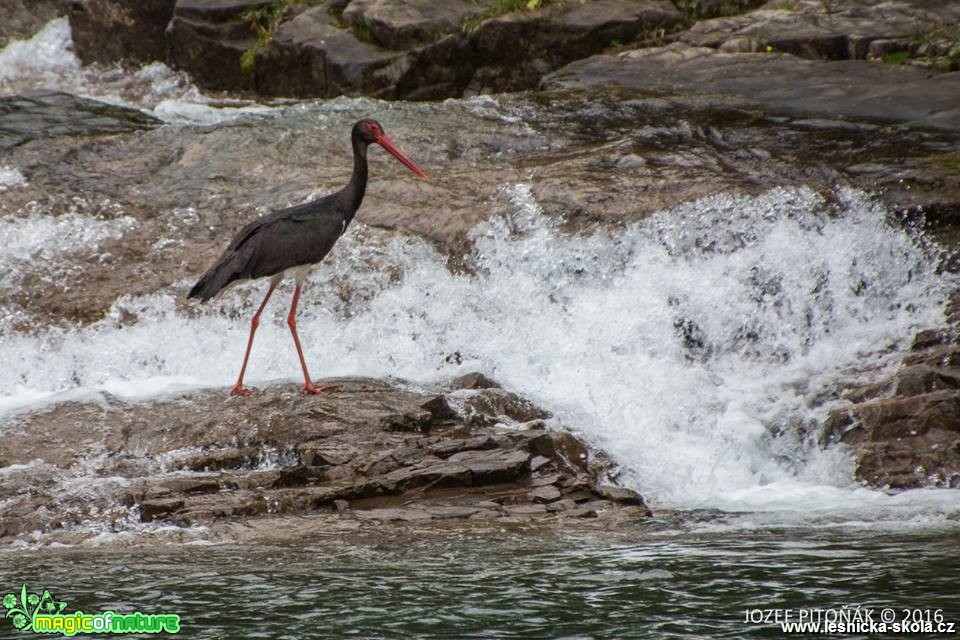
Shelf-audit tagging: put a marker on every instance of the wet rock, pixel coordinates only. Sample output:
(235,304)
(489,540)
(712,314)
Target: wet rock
(490,406)
(386,48)
(493,467)
(135,27)
(620,495)
(151,510)
(581,512)
(527,510)
(334,457)
(436,475)
(839,89)
(840,30)
(561,505)
(320,453)
(448,513)
(311,55)
(394,515)
(545,494)
(21,19)
(515,50)
(208,37)
(538,461)
(405,24)
(473,380)
(446,448)
(905,430)
(48,114)
(539,481)
(552,445)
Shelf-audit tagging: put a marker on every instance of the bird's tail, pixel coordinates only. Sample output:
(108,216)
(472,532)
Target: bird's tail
(213,281)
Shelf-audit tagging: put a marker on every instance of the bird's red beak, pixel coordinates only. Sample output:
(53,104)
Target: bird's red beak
(384,141)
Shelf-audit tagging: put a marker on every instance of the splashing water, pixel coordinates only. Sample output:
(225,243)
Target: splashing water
(11,178)
(47,61)
(693,346)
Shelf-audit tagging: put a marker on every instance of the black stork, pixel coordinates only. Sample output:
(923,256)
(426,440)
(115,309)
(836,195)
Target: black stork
(292,241)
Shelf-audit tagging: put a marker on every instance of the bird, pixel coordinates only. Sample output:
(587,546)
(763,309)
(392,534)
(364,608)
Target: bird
(291,241)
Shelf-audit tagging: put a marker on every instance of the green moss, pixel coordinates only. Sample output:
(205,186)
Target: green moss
(362,31)
(897,57)
(503,7)
(949,161)
(264,22)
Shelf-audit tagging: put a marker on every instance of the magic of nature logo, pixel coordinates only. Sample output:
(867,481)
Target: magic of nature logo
(43,613)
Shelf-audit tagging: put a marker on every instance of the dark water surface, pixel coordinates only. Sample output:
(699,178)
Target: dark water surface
(669,580)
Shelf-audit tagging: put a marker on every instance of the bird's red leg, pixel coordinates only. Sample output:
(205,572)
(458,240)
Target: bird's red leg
(308,386)
(239,389)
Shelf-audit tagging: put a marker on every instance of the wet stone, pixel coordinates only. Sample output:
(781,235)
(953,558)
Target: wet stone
(450,447)
(473,381)
(538,461)
(151,510)
(545,494)
(551,478)
(48,114)
(458,472)
(492,467)
(526,510)
(394,515)
(620,495)
(562,505)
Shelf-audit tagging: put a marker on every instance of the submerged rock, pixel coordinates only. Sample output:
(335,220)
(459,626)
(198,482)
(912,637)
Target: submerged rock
(210,460)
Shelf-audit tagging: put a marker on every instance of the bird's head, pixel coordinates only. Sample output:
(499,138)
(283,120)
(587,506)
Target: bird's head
(370,132)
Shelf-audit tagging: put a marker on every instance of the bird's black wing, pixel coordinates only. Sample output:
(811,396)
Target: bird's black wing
(278,241)
(297,213)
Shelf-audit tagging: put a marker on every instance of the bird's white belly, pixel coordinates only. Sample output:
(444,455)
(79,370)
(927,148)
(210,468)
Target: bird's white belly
(299,273)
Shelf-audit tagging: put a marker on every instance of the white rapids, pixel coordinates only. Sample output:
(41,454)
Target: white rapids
(690,346)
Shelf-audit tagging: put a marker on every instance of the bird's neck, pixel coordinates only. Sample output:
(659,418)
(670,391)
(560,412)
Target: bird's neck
(353,192)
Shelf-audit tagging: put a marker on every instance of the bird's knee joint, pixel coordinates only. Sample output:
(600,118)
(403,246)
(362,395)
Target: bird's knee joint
(291,322)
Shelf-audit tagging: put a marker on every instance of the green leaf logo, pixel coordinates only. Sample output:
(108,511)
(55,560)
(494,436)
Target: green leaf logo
(25,607)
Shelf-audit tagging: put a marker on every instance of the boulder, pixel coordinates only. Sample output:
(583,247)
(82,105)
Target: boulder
(108,31)
(407,24)
(311,55)
(207,38)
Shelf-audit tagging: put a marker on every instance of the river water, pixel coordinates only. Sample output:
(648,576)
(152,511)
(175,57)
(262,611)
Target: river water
(782,297)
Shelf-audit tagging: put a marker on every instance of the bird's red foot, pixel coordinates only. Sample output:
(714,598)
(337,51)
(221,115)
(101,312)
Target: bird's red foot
(323,388)
(240,390)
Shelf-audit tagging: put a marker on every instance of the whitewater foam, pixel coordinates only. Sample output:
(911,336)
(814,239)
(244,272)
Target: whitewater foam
(11,178)
(694,346)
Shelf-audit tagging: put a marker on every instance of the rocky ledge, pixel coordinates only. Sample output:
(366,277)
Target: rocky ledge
(278,465)
(420,49)
(432,49)
(905,429)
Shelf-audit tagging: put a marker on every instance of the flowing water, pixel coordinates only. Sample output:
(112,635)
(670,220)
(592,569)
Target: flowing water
(695,346)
